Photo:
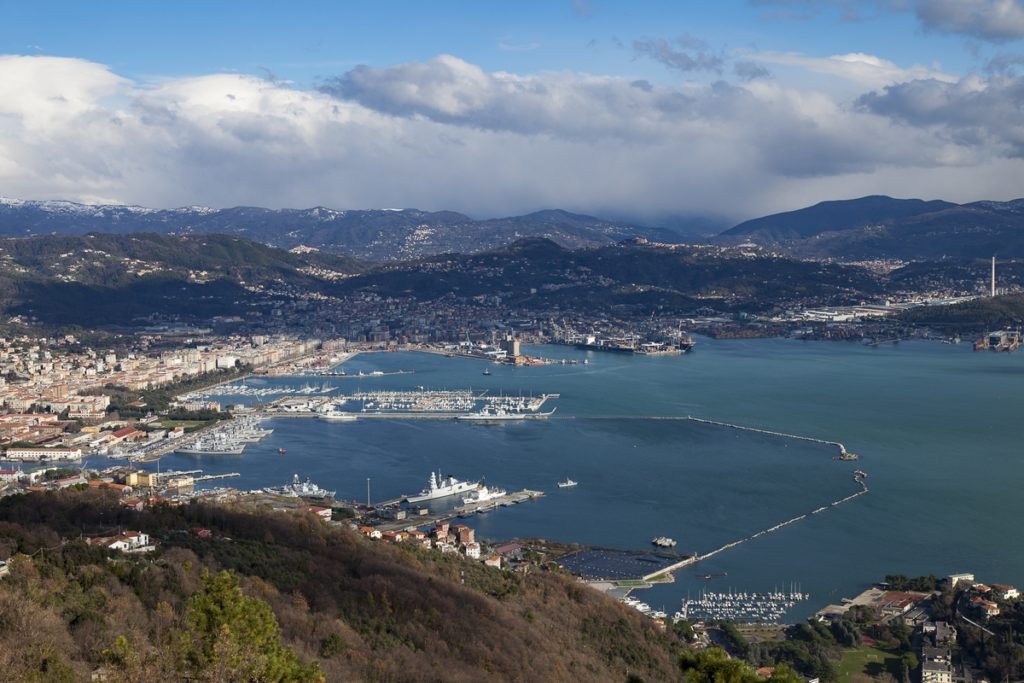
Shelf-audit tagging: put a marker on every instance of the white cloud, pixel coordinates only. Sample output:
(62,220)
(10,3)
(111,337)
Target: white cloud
(858,69)
(446,134)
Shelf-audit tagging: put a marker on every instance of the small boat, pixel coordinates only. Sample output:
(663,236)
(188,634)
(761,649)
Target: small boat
(487,371)
(567,484)
(281,451)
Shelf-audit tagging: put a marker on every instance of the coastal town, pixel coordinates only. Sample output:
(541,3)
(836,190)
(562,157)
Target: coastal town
(127,400)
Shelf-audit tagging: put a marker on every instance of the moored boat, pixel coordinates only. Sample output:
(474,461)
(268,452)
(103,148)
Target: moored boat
(442,487)
(299,489)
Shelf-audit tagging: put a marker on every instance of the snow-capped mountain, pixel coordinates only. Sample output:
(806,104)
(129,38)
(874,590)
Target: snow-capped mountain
(377,234)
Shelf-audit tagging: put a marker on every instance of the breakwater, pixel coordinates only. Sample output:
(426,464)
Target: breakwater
(763,532)
(842,452)
(780,525)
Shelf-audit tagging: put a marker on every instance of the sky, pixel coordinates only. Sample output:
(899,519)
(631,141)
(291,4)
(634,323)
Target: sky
(643,110)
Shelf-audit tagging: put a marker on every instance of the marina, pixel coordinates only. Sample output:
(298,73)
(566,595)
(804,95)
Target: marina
(761,608)
(420,403)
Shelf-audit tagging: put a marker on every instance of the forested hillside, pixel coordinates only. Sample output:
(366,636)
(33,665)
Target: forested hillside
(301,601)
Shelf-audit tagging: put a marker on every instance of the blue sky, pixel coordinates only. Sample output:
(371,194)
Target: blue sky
(644,110)
(305,41)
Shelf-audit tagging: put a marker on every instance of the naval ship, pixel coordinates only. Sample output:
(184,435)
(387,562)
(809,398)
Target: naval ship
(441,487)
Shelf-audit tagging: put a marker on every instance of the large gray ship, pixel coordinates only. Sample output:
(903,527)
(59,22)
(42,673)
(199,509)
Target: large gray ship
(442,487)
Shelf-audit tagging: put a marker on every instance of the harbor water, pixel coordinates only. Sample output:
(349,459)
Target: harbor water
(937,428)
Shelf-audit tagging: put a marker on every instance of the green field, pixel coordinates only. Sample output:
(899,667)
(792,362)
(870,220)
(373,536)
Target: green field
(867,663)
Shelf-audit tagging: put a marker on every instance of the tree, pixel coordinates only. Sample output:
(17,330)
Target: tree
(234,637)
(332,646)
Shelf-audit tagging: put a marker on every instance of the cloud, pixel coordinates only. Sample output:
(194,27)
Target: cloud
(449,90)
(862,70)
(973,112)
(992,20)
(1005,63)
(684,53)
(988,20)
(447,134)
(508,46)
(749,71)
(848,10)
(581,8)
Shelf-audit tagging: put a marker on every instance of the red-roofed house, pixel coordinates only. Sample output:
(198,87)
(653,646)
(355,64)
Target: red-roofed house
(985,607)
(895,603)
(128,434)
(1005,592)
(417,536)
(123,489)
(465,534)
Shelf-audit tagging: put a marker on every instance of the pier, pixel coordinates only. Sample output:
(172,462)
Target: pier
(211,477)
(416,520)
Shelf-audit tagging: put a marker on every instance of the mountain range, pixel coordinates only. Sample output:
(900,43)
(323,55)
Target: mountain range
(874,227)
(883,227)
(375,235)
(105,279)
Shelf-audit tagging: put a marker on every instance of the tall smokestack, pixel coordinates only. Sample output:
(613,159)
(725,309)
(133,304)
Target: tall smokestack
(993,276)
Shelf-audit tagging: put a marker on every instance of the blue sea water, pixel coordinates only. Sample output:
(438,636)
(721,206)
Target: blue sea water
(938,428)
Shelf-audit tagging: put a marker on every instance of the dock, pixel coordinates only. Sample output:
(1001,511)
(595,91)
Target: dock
(211,477)
(414,520)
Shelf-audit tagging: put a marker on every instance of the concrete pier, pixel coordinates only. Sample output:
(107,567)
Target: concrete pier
(415,521)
